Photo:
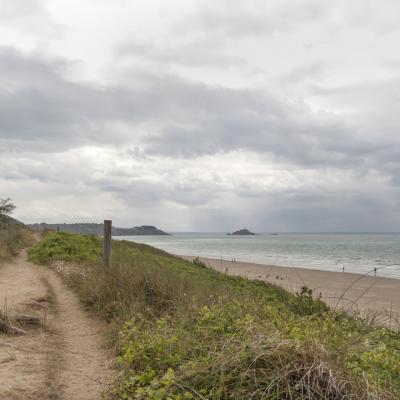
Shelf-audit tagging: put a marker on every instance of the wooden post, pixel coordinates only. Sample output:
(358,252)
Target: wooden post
(107,242)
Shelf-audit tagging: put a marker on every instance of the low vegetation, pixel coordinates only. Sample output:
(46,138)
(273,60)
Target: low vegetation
(6,323)
(183,331)
(12,239)
(13,235)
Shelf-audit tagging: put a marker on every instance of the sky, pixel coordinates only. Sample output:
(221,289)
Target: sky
(202,115)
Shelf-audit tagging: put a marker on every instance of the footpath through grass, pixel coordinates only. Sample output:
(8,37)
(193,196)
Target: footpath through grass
(182,331)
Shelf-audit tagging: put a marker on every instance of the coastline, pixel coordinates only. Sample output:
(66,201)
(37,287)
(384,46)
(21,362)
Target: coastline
(371,296)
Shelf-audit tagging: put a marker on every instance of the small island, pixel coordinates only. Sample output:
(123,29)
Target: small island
(244,232)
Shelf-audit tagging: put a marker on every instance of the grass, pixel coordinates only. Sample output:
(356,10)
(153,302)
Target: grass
(6,324)
(13,238)
(183,331)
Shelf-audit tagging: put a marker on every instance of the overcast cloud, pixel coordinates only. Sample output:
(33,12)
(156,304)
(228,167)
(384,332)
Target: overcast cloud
(202,115)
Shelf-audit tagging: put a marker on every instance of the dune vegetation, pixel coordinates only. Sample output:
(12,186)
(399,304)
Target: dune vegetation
(182,331)
(13,237)
(8,242)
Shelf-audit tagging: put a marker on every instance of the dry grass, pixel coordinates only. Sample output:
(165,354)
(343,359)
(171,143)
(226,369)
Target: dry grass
(13,238)
(280,370)
(6,326)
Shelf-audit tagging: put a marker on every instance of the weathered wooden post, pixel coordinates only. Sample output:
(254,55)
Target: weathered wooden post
(107,242)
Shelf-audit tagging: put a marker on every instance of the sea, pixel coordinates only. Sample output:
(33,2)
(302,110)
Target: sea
(358,253)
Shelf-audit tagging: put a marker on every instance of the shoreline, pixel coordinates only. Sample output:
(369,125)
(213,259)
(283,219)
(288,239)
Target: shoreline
(370,295)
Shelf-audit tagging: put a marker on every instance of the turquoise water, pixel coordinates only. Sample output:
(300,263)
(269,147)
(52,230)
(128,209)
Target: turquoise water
(357,253)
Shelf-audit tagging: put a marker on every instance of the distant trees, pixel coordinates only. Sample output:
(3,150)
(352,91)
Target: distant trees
(6,206)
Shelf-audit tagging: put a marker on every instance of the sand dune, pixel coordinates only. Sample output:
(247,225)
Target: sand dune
(372,296)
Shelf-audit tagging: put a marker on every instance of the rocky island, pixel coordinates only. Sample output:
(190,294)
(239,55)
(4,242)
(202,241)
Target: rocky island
(242,232)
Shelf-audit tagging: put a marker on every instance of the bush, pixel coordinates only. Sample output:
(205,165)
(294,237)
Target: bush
(67,247)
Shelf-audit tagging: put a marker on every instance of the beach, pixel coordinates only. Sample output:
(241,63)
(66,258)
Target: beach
(377,298)
(356,253)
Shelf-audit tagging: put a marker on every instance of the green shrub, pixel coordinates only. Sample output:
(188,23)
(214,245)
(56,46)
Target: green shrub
(67,247)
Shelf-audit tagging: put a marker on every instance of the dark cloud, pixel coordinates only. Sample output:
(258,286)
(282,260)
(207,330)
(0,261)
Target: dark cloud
(39,107)
(334,211)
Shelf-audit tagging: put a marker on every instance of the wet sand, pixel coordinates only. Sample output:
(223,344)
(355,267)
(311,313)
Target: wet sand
(375,297)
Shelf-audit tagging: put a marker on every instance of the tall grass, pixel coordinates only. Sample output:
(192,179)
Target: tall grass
(13,237)
(183,331)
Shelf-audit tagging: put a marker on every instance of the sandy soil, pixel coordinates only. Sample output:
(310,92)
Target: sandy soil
(62,359)
(22,358)
(87,367)
(373,296)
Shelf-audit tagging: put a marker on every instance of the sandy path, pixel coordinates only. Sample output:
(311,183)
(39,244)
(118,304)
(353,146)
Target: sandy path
(22,359)
(63,361)
(87,368)
(369,295)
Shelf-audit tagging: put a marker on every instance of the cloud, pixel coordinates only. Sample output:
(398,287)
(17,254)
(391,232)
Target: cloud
(377,16)
(29,17)
(89,183)
(189,52)
(40,107)
(164,116)
(169,116)
(159,136)
(308,72)
(244,19)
